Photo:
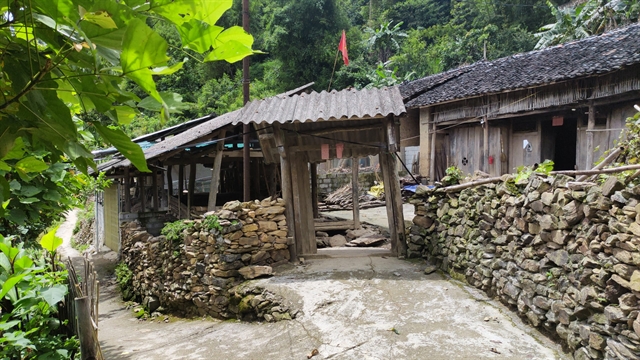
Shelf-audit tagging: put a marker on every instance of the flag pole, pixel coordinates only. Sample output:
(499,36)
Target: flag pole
(334,70)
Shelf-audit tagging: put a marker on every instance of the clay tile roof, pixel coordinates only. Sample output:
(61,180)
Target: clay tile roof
(595,55)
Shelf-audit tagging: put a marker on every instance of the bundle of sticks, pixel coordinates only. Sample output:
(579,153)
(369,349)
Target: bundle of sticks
(342,199)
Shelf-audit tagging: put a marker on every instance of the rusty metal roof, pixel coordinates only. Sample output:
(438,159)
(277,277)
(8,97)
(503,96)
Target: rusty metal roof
(325,106)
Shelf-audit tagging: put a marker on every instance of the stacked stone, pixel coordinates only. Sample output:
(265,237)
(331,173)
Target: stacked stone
(564,255)
(199,274)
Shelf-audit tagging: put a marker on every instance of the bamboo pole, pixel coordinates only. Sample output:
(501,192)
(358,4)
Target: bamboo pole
(609,159)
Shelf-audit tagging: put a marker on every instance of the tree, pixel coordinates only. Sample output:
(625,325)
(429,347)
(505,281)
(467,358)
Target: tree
(64,58)
(383,41)
(586,19)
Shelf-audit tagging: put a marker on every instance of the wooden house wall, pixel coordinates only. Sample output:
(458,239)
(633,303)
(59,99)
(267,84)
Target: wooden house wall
(466,144)
(606,136)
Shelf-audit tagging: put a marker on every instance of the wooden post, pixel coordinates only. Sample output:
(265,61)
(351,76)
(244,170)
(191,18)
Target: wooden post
(303,215)
(384,168)
(590,126)
(287,189)
(180,189)
(170,180)
(127,191)
(425,142)
(485,145)
(192,186)
(432,155)
(391,134)
(355,192)
(85,329)
(163,195)
(156,196)
(313,168)
(143,194)
(215,175)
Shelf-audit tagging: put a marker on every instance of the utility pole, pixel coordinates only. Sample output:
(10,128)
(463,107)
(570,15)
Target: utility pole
(246,128)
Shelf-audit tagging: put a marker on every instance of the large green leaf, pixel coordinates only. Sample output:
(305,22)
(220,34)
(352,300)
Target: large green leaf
(197,35)
(58,10)
(143,48)
(10,284)
(231,45)
(180,11)
(31,164)
(172,100)
(22,264)
(101,18)
(50,241)
(125,146)
(54,294)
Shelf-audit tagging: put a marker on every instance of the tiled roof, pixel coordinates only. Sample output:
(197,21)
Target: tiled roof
(595,55)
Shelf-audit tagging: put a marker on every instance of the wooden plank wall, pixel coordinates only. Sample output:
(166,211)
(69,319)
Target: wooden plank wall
(603,140)
(519,156)
(111,218)
(468,142)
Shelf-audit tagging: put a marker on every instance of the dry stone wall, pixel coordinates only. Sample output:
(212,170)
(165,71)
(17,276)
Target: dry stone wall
(564,255)
(204,272)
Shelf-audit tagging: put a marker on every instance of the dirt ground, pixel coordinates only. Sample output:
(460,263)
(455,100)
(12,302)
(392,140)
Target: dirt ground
(354,304)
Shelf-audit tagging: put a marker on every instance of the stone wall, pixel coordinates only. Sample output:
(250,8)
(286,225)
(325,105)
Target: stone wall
(564,255)
(204,271)
(328,183)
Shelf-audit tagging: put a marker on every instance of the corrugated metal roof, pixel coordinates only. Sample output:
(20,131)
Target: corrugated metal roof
(335,105)
(283,108)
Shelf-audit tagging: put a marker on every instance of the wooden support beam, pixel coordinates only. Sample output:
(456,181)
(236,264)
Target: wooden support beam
(156,196)
(143,194)
(386,179)
(127,191)
(432,155)
(392,143)
(590,125)
(215,176)
(170,180)
(355,193)
(393,200)
(334,225)
(303,214)
(426,117)
(163,194)
(192,186)
(313,168)
(287,189)
(180,189)
(485,145)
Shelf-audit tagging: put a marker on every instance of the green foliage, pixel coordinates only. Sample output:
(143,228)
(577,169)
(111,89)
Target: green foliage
(585,19)
(453,175)
(211,222)
(124,279)
(173,230)
(65,58)
(35,189)
(30,323)
(524,172)
(383,76)
(383,41)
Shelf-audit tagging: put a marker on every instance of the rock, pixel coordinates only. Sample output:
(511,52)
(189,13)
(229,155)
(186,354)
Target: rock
(267,226)
(614,314)
(611,186)
(321,234)
(233,206)
(559,257)
(430,269)
(352,234)
(372,240)
(634,283)
(596,341)
(337,241)
(423,221)
(151,303)
(259,257)
(254,271)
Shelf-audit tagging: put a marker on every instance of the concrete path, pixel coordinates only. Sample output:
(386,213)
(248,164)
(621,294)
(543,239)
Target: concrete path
(369,307)
(374,216)
(65,231)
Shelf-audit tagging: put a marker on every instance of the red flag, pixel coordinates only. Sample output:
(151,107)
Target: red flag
(343,48)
